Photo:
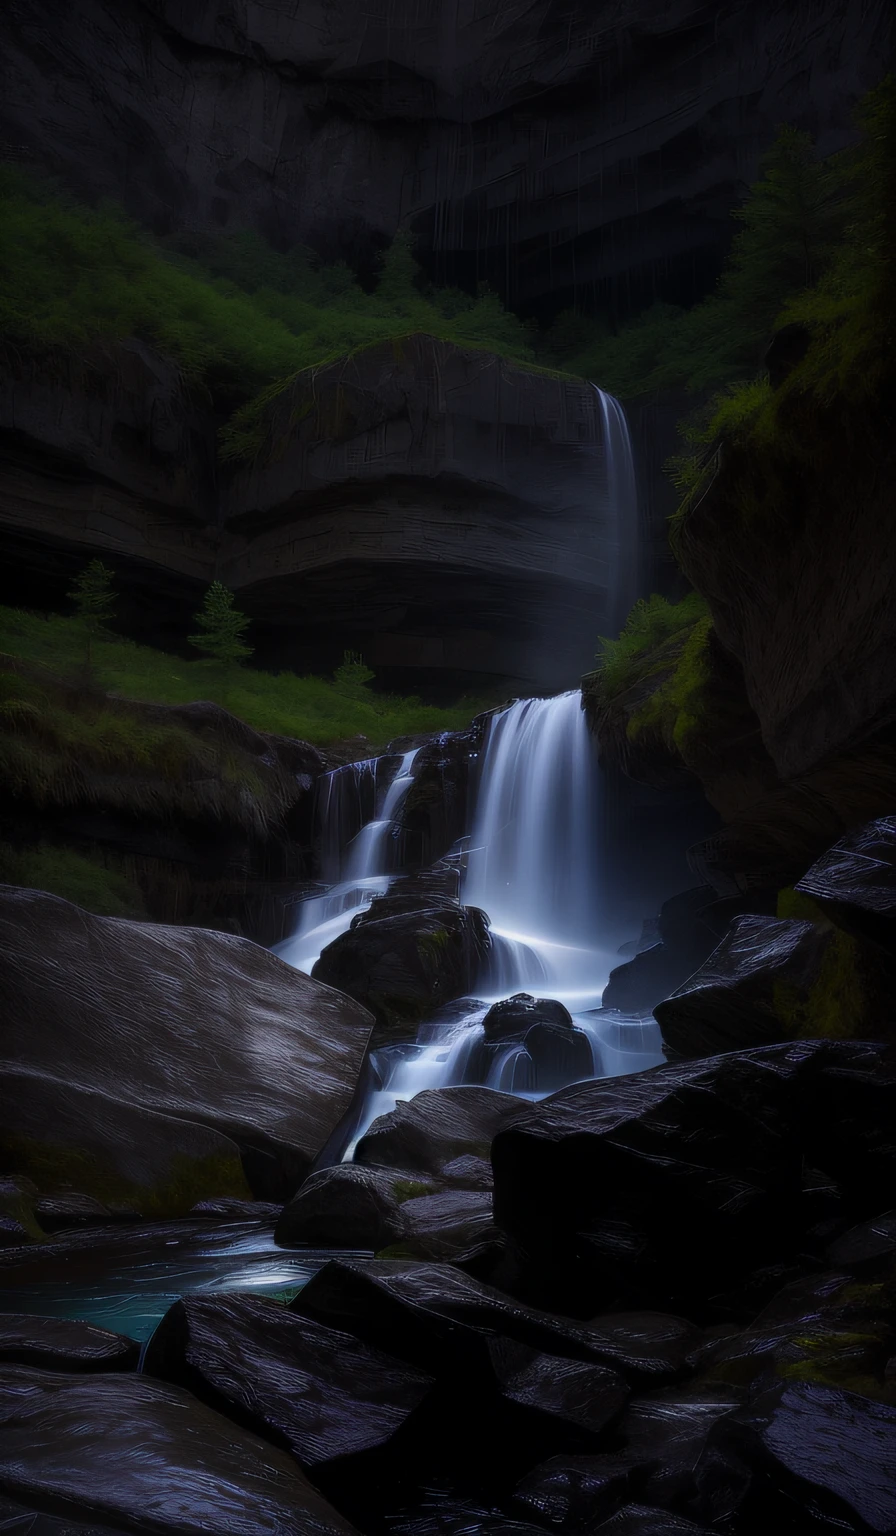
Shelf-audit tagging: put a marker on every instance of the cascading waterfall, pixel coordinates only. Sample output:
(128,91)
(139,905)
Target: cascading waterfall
(534,859)
(359,864)
(622,496)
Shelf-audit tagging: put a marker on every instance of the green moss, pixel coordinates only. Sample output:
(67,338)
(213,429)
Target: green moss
(410,1189)
(835,1007)
(86,881)
(55,1169)
(397,1251)
(852,1362)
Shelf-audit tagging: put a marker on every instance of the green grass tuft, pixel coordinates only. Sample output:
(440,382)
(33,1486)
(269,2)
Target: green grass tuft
(75,876)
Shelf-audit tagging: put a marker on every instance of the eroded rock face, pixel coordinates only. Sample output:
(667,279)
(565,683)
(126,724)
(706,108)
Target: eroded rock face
(157,1056)
(364,119)
(123,1450)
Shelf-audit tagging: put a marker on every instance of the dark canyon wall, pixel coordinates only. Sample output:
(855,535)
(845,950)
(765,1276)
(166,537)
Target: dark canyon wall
(543,144)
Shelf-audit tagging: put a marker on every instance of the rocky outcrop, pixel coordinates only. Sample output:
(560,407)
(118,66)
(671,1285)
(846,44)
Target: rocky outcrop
(510,138)
(404,965)
(124,1451)
(149,1060)
(61,1344)
(855,882)
(431,1133)
(749,989)
(584,1181)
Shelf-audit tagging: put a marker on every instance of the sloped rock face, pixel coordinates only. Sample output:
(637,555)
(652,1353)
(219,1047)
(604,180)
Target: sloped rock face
(855,881)
(509,134)
(156,1056)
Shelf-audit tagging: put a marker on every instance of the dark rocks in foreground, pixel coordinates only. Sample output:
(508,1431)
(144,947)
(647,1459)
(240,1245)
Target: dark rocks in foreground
(160,1066)
(672,1187)
(60,1344)
(855,881)
(125,1451)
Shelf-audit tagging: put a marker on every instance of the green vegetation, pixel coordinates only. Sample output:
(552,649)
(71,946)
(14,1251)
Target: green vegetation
(836,1005)
(309,708)
(221,627)
(652,622)
(94,600)
(678,709)
(234,314)
(76,877)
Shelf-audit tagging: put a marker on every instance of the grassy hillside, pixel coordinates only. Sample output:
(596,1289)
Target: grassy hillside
(312,709)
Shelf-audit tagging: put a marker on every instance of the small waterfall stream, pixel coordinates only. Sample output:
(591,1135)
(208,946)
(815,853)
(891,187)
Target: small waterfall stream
(357,861)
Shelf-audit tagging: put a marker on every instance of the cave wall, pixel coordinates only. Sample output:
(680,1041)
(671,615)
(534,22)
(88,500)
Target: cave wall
(546,145)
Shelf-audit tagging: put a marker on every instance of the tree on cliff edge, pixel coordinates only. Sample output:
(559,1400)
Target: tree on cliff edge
(222,627)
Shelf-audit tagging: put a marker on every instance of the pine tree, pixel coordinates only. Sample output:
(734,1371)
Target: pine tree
(222,626)
(94,599)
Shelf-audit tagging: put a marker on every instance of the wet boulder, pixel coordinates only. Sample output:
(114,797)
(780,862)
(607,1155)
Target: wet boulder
(737,997)
(671,1186)
(319,1391)
(61,1344)
(435,1127)
(646,1520)
(58,1213)
(235,1210)
(163,1064)
(570,1493)
(805,1458)
(346,1206)
(445,1322)
(405,966)
(855,882)
(124,1451)
(545,1057)
(512,1017)
(686,933)
(453,1224)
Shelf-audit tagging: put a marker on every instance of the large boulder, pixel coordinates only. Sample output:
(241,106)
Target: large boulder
(406,965)
(319,1391)
(803,1450)
(855,882)
(346,1206)
(436,1128)
(512,1017)
(131,1453)
(673,1185)
(145,1062)
(752,990)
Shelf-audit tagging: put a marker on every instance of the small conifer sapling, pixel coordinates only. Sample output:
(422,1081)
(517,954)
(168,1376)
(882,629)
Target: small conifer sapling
(94,600)
(221,627)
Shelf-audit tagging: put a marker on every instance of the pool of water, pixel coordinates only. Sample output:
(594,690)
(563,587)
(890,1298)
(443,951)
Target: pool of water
(126,1278)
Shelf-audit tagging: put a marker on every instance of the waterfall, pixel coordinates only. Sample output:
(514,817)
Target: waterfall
(355,853)
(534,863)
(622,496)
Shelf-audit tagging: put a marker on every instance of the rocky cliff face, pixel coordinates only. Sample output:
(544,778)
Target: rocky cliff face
(544,146)
(433,506)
